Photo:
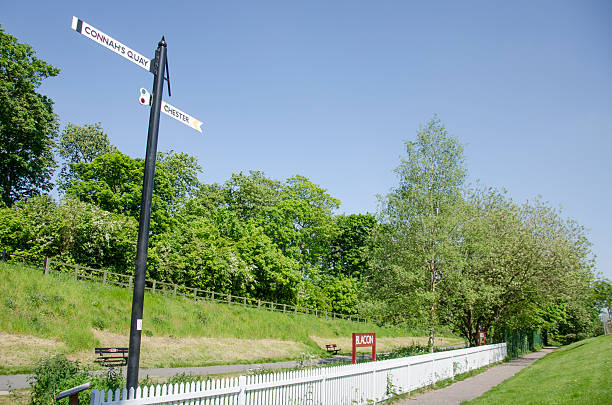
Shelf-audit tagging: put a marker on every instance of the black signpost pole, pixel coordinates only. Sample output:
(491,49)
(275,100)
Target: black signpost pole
(145,217)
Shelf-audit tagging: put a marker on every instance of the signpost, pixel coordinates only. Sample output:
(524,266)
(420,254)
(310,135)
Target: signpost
(171,111)
(156,66)
(364,340)
(108,42)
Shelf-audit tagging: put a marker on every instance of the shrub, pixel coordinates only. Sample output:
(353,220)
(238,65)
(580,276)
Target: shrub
(403,352)
(111,380)
(569,338)
(54,375)
(183,378)
(98,323)
(581,336)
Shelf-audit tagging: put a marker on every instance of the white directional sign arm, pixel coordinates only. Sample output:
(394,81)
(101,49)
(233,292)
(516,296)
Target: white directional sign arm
(183,117)
(108,42)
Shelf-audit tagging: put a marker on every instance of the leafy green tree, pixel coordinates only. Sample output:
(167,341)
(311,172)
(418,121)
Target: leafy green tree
(304,221)
(602,294)
(290,230)
(524,267)
(416,248)
(297,215)
(196,254)
(276,277)
(113,182)
(215,252)
(28,126)
(251,195)
(73,231)
(81,145)
(348,251)
(343,294)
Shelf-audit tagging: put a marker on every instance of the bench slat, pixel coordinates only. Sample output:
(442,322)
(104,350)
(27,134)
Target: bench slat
(112,356)
(332,348)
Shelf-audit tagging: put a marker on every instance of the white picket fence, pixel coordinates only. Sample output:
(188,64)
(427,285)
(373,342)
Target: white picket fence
(348,384)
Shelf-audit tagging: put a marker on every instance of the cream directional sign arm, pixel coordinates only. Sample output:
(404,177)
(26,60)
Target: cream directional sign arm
(106,41)
(145,99)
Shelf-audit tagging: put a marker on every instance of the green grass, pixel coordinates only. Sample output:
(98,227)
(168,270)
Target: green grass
(56,306)
(580,373)
(72,313)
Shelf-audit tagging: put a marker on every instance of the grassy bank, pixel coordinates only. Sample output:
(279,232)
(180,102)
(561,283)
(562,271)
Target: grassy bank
(580,373)
(42,315)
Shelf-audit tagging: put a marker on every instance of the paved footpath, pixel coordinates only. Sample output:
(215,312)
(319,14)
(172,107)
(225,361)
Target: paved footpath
(19,381)
(474,387)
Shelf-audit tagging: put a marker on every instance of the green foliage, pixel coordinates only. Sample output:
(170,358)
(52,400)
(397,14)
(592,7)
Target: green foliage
(343,294)
(280,249)
(54,375)
(348,252)
(602,295)
(28,125)
(257,237)
(474,259)
(81,145)
(408,351)
(414,251)
(523,267)
(243,262)
(184,378)
(84,144)
(72,231)
(113,182)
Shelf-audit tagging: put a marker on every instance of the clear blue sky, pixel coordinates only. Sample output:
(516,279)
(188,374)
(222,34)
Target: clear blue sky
(331,89)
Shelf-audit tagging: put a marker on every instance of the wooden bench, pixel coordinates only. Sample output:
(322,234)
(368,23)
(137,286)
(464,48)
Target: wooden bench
(112,356)
(332,348)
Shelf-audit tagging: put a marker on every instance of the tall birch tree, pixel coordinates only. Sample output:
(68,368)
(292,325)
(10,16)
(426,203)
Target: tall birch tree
(415,248)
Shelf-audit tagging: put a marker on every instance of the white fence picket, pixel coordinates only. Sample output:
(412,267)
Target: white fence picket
(350,384)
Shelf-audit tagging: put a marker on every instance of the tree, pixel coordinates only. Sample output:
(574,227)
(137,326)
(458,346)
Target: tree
(523,267)
(297,215)
(602,295)
(349,245)
(251,195)
(113,182)
(415,249)
(28,126)
(213,250)
(291,230)
(81,145)
(72,231)
(304,218)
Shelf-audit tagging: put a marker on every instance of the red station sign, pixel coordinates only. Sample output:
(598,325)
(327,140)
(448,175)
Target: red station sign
(364,340)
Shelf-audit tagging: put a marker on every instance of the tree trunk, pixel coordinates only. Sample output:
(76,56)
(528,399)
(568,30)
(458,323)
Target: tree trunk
(432,319)
(430,343)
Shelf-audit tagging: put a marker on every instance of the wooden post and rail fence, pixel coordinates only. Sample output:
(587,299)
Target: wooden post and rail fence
(107,277)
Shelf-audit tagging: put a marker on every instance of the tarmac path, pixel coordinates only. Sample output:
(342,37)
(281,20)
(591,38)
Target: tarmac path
(19,381)
(456,393)
(477,385)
